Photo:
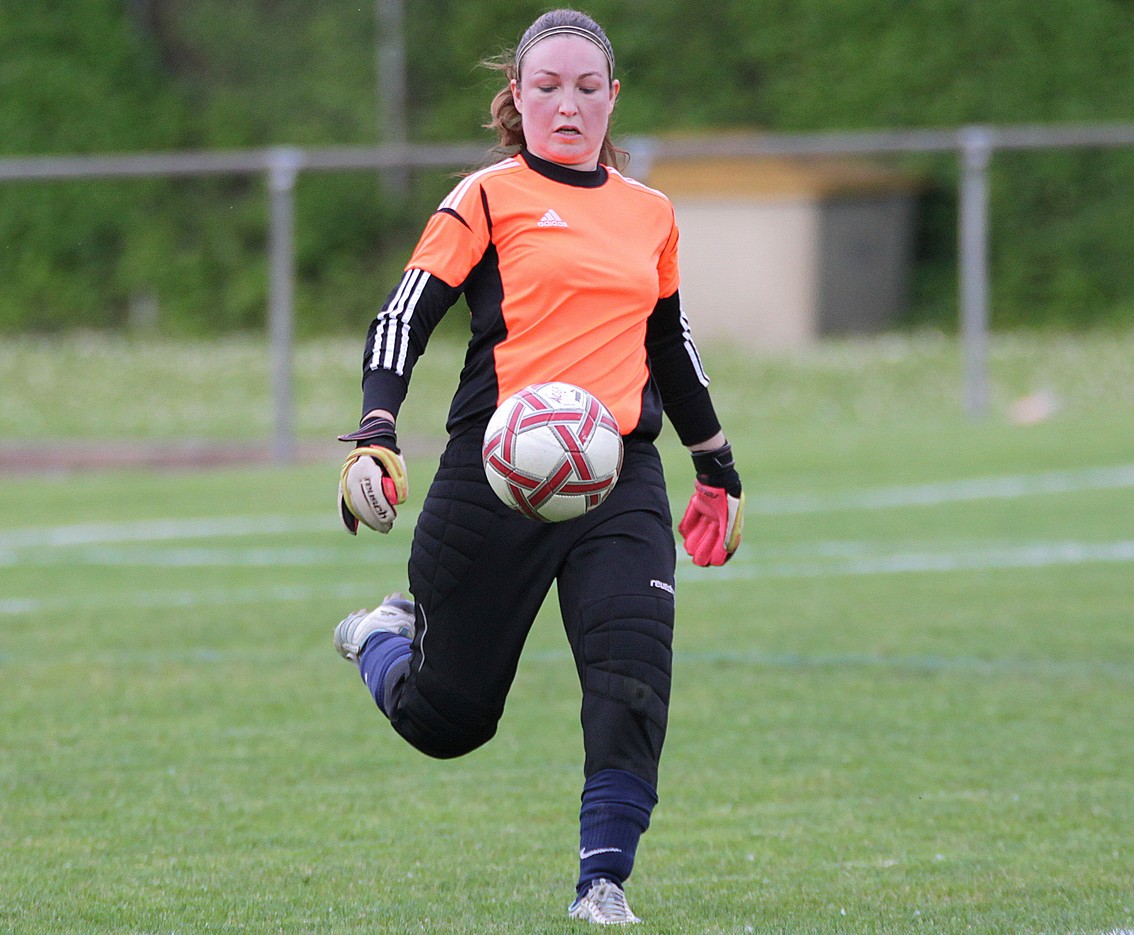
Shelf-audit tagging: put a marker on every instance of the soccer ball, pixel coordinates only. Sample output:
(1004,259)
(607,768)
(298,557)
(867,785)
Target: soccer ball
(552,451)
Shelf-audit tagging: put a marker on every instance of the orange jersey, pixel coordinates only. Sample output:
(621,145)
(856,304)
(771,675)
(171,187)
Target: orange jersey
(563,271)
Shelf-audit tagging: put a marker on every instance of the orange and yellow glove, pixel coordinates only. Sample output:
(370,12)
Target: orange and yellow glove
(373,479)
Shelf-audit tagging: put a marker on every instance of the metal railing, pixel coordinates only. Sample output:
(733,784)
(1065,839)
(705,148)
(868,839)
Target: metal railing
(281,166)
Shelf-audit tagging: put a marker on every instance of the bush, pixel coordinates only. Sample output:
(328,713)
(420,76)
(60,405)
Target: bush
(175,74)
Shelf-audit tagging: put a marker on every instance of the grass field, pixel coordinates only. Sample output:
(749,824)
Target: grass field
(905,706)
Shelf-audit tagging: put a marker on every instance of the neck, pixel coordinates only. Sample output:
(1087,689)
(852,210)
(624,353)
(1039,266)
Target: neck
(568,175)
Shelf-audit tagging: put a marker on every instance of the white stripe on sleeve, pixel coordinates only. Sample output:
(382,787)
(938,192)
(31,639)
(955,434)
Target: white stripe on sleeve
(458,193)
(394,323)
(691,350)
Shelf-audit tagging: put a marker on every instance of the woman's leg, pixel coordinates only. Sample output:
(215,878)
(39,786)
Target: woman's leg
(479,573)
(616,594)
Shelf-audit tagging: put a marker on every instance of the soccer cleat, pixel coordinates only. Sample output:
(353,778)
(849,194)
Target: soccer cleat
(394,615)
(604,904)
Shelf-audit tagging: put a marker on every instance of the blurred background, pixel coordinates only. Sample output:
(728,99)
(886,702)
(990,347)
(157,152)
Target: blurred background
(186,256)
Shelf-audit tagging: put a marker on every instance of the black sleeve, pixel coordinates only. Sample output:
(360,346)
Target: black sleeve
(398,335)
(677,371)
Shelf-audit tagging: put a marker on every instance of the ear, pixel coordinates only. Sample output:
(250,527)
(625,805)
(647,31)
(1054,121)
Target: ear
(615,87)
(515,86)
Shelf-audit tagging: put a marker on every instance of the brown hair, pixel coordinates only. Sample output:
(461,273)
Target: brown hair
(506,120)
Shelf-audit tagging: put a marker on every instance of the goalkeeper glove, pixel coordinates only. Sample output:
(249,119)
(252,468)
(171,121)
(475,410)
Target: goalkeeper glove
(714,519)
(373,477)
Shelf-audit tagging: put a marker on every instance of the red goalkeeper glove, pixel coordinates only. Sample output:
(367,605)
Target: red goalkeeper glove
(714,519)
(373,478)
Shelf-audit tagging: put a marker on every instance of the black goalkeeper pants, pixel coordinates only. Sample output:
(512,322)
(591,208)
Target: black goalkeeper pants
(479,573)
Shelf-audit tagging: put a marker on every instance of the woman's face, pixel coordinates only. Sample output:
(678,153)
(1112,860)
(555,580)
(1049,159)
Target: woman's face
(565,99)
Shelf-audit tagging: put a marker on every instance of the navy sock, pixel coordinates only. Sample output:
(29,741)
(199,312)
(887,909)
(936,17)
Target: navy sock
(384,664)
(615,813)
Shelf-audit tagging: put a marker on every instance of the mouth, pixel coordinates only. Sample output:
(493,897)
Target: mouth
(568,131)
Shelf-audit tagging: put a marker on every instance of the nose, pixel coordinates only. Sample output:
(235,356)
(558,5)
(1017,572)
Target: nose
(567,105)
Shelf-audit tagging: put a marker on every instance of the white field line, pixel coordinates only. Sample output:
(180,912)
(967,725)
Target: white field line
(87,544)
(967,558)
(988,488)
(178,557)
(925,663)
(173,599)
(799,560)
(929,663)
(160,530)
(981,488)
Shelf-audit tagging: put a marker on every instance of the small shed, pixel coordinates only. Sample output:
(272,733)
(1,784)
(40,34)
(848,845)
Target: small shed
(776,253)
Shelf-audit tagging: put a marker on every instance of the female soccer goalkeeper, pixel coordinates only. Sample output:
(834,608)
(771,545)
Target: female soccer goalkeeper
(570,271)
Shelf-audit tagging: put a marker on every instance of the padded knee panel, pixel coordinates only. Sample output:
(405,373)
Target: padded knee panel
(444,728)
(626,665)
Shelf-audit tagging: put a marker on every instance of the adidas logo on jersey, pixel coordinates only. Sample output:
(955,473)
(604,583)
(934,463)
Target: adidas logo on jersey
(551,219)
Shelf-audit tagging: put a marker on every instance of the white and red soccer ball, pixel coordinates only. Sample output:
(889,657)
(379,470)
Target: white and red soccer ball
(552,451)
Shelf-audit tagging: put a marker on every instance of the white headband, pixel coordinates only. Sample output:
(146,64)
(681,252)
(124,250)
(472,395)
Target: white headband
(565,30)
